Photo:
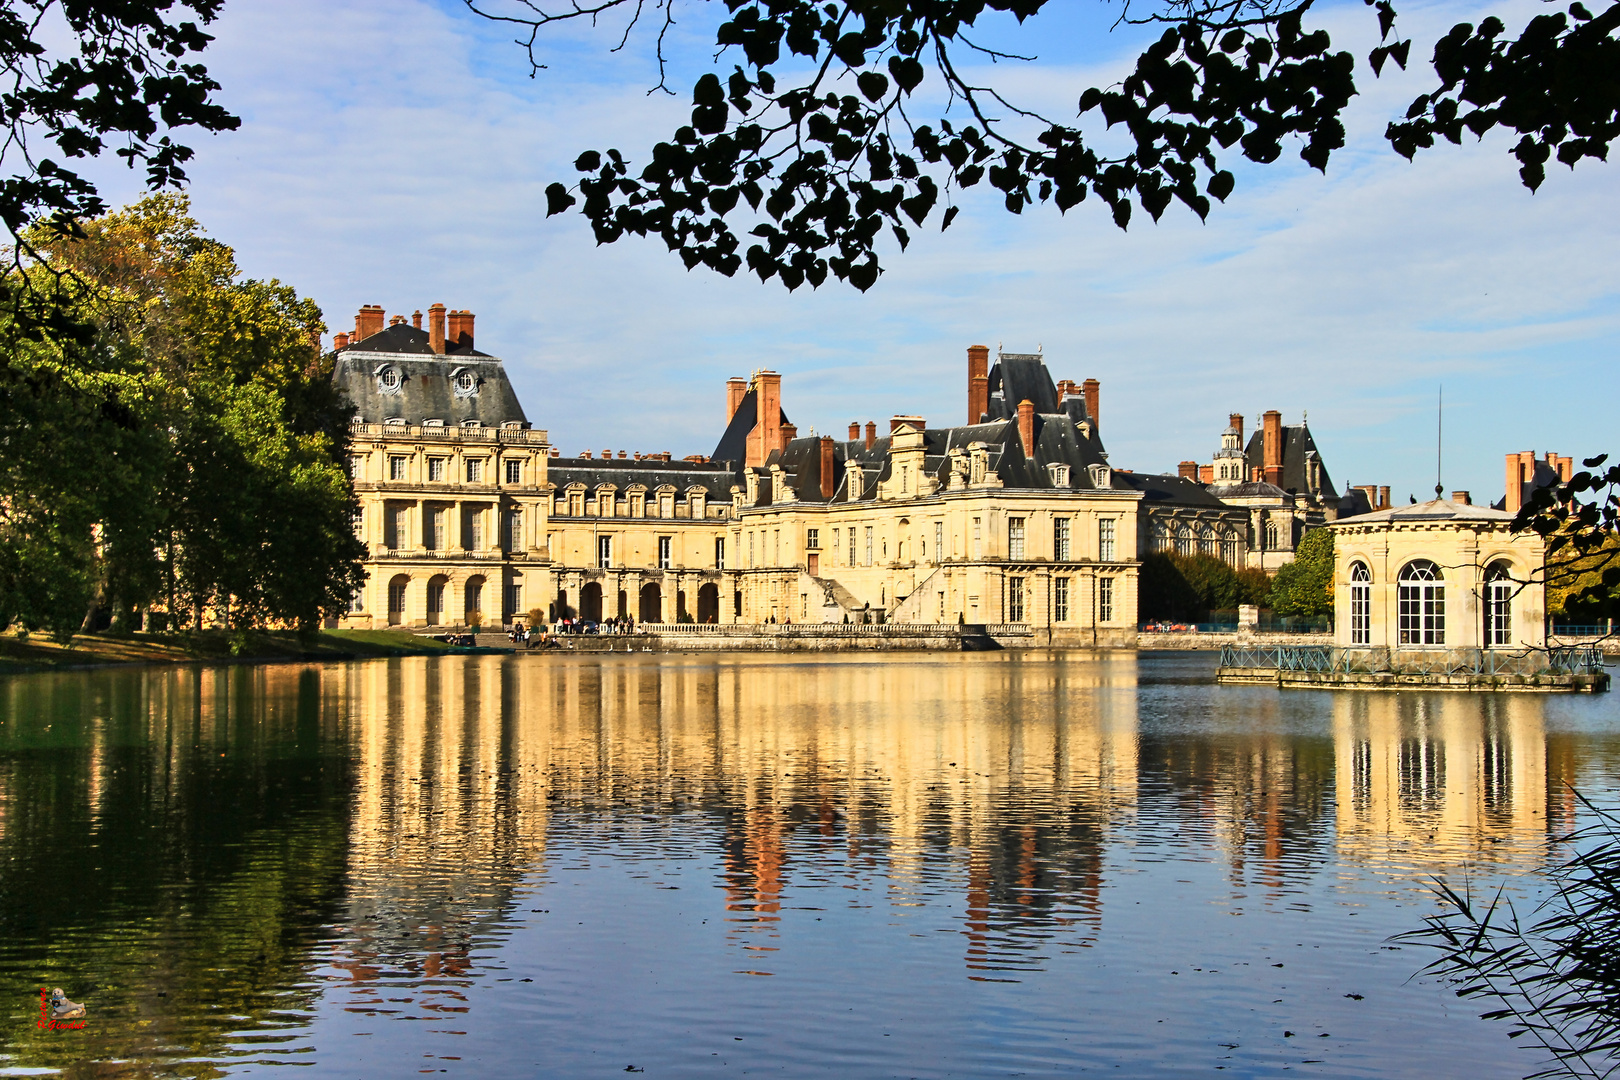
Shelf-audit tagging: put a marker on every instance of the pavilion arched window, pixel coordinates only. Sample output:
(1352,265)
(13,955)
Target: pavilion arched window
(1499,588)
(1360,604)
(1421,604)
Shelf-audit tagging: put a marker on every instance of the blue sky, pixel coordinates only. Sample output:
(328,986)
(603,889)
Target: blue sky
(396,152)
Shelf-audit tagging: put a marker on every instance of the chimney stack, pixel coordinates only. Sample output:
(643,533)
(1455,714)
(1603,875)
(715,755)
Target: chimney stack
(416,318)
(395,320)
(436,328)
(460,330)
(978,382)
(789,433)
(340,341)
(1236,421)
(369,321)
(736,390)
(1206,474)
(1026,427)
(1091,387)
(1272,425)
(767,433)
(1461,498)
(914,421)
(829,482)
(1188,470)
(854,431)
(871,434)
(1383,496)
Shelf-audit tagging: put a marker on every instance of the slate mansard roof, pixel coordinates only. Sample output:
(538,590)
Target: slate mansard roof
(651,473)
(395,375)
(1297,444)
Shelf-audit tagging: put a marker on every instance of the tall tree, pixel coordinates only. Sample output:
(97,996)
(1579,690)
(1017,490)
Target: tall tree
(1304,585)
(808,135)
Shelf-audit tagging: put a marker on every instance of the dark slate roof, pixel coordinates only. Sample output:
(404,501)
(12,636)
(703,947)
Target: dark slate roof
(733,445)
(652,474)
(1020,377)
(1057,441)
(426,388)
(1297,442)
(1169,490)
(1252,489)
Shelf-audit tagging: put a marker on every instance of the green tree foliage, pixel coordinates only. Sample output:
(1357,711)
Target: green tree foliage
(1580,520)
(805,136)
(185,445)
(1304,586)
(1188,587)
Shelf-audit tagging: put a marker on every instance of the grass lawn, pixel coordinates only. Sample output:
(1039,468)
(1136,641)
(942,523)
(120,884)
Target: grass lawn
(40,651)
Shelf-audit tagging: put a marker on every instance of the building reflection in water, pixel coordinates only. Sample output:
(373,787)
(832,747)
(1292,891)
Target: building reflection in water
(994,788)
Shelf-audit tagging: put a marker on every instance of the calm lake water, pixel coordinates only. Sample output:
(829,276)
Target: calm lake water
(982,865)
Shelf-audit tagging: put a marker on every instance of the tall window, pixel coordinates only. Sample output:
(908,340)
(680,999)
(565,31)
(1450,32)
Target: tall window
(1422,604)
(437,539)
(396,598)
(435,470)
(666,545)
(473,531)
(939,541)
(941,606)
(1184,540)
(1060,599)
(1105,600)
(357,522)
(1271,536)
(1229,548)
(852,546)
(394,527)
(514,600)
(396,467)
(357,466)
(750,549)
(776,547)
(514,471)
(475,470)
(514,530)
(604,551)
(869,545)
(1360,604)
(1498,604)
(1105,540)
(1060,539)
(719,553)
(1207,543)
(1015,538)
(1015,599)
(1161,536)
(977,544)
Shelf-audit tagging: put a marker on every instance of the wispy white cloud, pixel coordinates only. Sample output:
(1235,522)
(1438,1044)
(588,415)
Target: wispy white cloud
(395,152)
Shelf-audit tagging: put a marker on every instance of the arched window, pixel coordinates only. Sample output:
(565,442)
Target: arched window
(1207,543)
(1360,604)
(1184,540)
(1422,604)
(1161,536)
(1271,536)
(1229,548)
(1498,604)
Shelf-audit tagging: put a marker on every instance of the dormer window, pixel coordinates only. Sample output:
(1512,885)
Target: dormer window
(388,379)
(472,423)
(395,421)
(433,423)
(1059,474)
(465,382)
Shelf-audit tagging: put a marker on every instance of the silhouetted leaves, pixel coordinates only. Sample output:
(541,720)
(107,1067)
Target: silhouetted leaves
(825,172)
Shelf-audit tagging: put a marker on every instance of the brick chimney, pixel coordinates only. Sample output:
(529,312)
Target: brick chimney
(854,431)
(1462,498)
(736,390)
(896,421)
(789,433)
(1236,421)
(416,318)
(369,321)
(1383,496)
(460,330)
(1026,427)
(1188,470)
(767,433)
(829,481)
(1206,474)
(1091,388)
(1272,426)
(436,328)
(871,434)
(395,320)
(978,382)
(340,341)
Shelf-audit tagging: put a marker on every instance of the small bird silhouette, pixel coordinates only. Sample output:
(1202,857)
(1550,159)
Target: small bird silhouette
(62,1008)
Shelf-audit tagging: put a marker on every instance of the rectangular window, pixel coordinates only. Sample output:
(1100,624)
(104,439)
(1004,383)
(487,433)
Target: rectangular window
(394,526)
(396,466)
(604,551)
(776,547)
(804,606)
(514,530)
(750,550)
(941,607)
(1422,613)
(719,553)
(812,539)
(435,470)
(1360,614)
(357,602)
(357,521)
(978,547)
(1015,599)
(1015,538)
(1105,600)
(1060,599)
(436,538)
(665,546)
(1060,539)
(869,547)
(835,544)
(1498,613)
(1105,540)
(852,545)
(473,532)
(514,471)
(514,600)
(475,470)
(357,466)
(396,599)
